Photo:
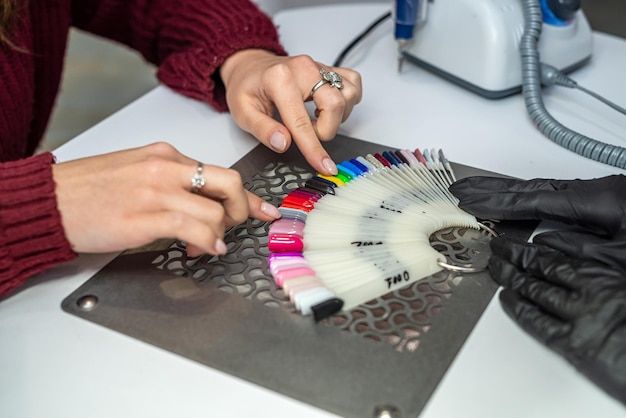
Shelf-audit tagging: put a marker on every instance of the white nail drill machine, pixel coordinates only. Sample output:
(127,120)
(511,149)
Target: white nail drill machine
(476,43)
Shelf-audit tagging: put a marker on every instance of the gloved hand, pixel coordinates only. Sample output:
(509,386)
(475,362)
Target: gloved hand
(596,208)
(568,288)
(575,307)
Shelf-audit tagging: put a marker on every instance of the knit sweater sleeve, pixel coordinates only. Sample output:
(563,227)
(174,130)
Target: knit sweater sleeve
(31,234)
(187,39)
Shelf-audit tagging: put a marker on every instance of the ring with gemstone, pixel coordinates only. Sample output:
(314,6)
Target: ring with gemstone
(198,180)
(332,77)
(328,77)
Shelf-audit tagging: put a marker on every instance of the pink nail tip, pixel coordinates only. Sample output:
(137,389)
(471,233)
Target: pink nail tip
(283,275)
(280,243)
(277,265)
(287,227)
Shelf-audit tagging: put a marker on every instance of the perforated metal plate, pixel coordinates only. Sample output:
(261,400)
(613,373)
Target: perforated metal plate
(227,313)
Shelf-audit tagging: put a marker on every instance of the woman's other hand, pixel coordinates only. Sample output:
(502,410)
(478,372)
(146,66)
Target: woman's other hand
(130,198)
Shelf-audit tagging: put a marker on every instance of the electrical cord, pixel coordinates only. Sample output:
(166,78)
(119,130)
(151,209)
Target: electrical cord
(342,55)
(531,89)
(534,75)
(552,76)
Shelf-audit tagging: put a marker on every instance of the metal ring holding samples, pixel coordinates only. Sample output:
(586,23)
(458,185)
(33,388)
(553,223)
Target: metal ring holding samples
(198,180)
(460,269)
(317,86)
(468,269)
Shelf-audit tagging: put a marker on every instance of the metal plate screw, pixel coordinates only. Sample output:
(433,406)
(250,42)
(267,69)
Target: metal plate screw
(87,303)
(386,411)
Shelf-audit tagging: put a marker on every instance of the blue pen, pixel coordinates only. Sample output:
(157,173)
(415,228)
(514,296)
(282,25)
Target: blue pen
(405,21)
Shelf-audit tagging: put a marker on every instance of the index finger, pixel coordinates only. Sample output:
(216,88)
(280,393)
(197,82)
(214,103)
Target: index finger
(295,116)
(260,209)
(225,185)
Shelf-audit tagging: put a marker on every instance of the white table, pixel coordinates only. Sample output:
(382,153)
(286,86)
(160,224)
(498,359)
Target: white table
(53,364)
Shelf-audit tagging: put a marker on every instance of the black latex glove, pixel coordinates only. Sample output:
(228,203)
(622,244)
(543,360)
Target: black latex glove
(575,307)
(597,208)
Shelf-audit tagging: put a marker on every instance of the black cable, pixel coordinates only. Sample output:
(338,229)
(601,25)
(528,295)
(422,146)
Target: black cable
(359,38)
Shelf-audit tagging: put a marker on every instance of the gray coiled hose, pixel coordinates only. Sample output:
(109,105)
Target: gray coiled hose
(531,88)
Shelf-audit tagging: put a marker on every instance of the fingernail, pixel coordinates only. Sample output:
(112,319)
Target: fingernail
(329,165)
(220,247)
(278,141)
(270,210)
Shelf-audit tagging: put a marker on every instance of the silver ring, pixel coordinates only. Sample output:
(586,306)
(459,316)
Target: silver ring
(332,77)
(198,180)
(318,85)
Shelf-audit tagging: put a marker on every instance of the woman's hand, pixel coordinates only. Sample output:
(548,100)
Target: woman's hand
(258,82)
(130,198)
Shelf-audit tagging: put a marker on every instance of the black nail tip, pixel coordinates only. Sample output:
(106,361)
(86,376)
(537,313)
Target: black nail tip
(320,184)
(327,308)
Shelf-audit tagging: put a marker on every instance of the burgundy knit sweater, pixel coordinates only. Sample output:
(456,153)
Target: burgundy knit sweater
(187,39)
